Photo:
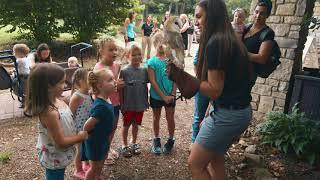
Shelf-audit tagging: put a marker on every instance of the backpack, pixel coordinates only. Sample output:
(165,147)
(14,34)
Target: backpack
(264,70)
(5,79)
(14,83)
(17,86)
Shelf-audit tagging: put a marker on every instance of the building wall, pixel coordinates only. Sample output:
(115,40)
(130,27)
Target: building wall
(270,94)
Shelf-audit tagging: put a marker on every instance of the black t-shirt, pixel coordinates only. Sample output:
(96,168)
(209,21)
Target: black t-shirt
(237,88)
(254,42)
(147,29)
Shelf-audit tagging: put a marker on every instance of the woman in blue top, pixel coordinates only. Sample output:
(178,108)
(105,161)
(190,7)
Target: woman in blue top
(226,78)
(129,25)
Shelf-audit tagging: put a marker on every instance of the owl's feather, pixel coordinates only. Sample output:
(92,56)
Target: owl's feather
(171,37)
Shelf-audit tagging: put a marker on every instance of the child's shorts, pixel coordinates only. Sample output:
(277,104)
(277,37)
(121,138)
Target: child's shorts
(130,117)
(155,103)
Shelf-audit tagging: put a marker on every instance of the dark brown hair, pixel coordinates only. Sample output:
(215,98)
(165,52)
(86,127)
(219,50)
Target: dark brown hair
(267,4)
(42,47)
(217,28)
(130,15)
(41,78)
(79,74)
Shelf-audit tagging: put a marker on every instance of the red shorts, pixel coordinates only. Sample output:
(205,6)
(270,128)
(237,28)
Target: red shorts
(130,117)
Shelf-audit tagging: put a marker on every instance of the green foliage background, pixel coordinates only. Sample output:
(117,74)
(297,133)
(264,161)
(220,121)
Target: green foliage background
(43,21)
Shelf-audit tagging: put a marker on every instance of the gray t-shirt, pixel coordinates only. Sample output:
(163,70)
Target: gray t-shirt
(135,91)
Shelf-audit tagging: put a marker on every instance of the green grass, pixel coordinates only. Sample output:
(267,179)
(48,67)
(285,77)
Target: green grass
(6,37)
(4,157)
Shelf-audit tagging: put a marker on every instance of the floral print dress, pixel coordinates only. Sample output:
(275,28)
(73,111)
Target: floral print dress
(50,155)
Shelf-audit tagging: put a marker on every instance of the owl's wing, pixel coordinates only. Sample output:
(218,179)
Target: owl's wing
(179,42)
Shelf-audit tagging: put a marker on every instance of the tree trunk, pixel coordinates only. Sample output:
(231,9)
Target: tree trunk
(183,8)
(176,12)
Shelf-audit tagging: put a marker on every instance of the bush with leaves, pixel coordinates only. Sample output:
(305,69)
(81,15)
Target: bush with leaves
(34,18)
(292,132)
(84,19)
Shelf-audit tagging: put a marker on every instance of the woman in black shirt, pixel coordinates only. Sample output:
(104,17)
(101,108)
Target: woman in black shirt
(146,31)
(259,49)
(226,78)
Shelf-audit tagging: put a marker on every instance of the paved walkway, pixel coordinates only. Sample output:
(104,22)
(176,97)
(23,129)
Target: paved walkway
(9,108)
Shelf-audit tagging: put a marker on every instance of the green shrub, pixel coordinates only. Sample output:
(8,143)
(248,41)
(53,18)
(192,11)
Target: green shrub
(4,157)
(292,132)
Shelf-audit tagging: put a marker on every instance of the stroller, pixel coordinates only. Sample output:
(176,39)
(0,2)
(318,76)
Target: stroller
(14,82)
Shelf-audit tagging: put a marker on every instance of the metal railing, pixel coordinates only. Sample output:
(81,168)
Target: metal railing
(85,46)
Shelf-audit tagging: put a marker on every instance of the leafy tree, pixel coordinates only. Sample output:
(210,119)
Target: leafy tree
(233,4)
(84,19)
(34,18)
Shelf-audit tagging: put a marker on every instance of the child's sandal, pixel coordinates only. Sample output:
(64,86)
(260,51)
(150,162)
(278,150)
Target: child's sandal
(79,175)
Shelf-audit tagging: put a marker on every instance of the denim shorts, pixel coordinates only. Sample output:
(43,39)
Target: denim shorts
(221,127)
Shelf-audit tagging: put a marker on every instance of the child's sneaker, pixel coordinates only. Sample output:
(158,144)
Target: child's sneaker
(126,151)
(135,149)
(168,146)
(156,146)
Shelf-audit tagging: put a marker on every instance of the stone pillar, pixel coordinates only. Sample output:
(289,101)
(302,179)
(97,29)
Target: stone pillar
(285,19)
(316,9)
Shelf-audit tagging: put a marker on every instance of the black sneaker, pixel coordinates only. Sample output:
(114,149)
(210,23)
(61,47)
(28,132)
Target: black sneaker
(21,105)
(125,151)
(168,146)
(135,149)
(156,146)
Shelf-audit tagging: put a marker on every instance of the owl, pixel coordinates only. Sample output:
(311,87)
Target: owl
(171,37)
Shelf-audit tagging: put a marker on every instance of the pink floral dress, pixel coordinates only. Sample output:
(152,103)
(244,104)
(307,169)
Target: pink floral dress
(50,155)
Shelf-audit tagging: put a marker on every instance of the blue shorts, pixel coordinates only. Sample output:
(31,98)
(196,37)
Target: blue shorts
(55,174)
(94,149)
(221,127)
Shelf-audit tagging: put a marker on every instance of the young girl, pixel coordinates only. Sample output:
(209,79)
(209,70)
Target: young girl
(238,25)
(134,99)
(107,56)
(100,123)
(80,104)
(57,133)
(129,24)
(162,93)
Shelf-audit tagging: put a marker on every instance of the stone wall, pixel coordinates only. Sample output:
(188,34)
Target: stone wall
(316,9)
(270,94)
